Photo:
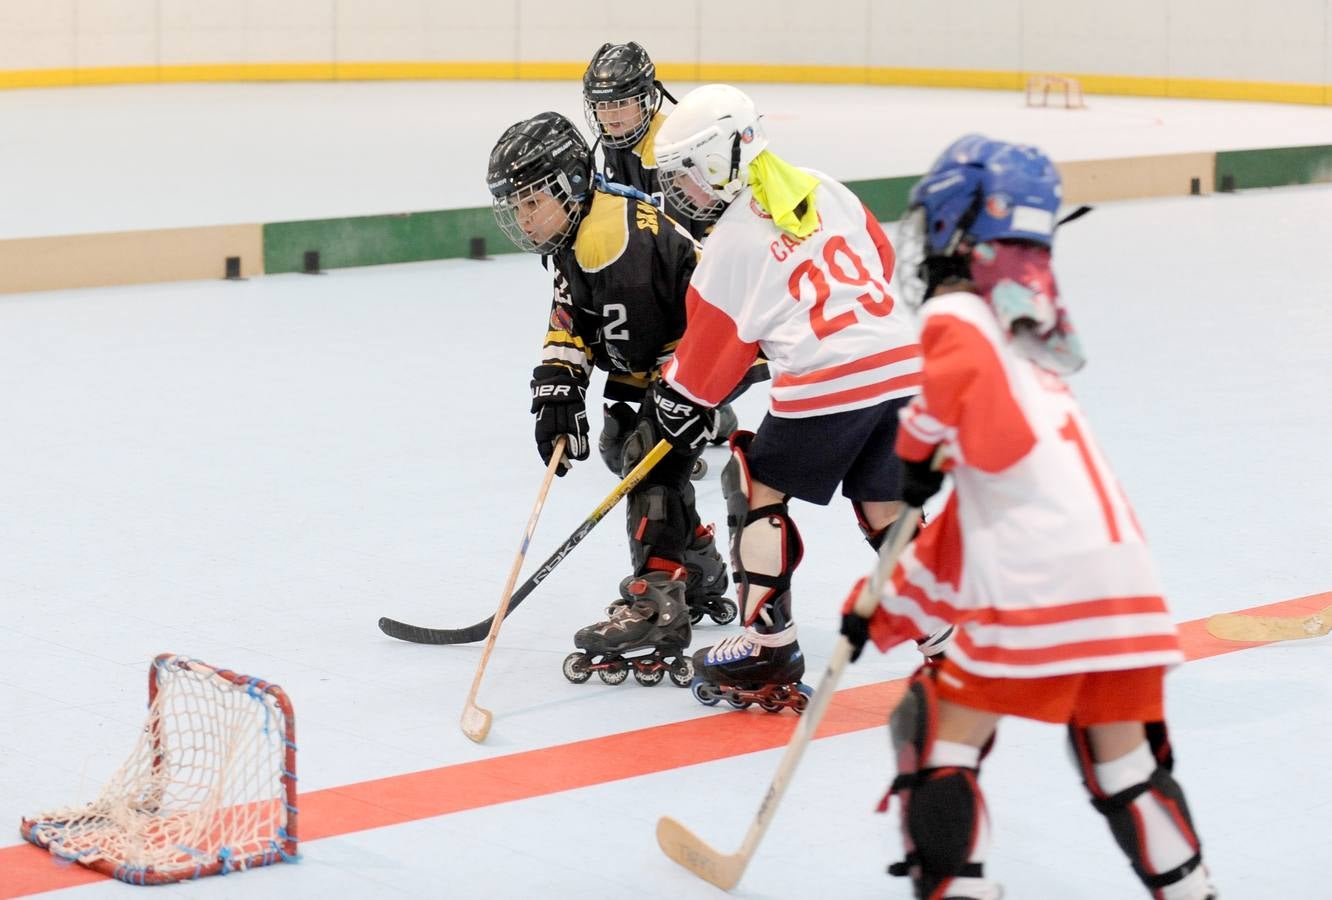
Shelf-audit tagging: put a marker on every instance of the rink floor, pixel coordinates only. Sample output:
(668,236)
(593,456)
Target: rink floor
(252,473)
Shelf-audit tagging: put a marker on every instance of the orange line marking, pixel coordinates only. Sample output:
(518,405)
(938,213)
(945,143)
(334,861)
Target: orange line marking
(438,792)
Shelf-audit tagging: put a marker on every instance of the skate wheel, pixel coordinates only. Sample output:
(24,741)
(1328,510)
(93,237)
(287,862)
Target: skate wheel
(649,677)
(577,667)
(737,702)
(725,611)
(703,692)
(804,693)
(695,615)
(770,705)
(700,469)
(682,671)
(614,672)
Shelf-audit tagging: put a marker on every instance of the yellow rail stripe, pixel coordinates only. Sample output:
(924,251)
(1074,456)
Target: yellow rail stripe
(1129,85)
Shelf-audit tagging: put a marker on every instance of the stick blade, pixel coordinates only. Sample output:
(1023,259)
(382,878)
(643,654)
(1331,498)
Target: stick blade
(1239,627)
(685,847)
(476,723)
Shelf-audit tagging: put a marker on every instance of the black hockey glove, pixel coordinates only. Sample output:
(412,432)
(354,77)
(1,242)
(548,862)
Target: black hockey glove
(855,628)
(686,424)
(557,400)
(920,481)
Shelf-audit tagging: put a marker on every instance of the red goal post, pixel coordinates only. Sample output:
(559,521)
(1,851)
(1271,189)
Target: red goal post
(209,788)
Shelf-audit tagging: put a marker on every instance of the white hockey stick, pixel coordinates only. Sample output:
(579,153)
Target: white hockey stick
(476,719)
(1240,627)
(681,844)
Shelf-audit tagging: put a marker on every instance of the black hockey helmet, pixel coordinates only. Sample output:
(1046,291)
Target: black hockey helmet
(545,154)
(621,77)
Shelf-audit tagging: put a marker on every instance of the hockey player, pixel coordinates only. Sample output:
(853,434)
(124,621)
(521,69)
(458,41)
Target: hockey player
(798,268)
(1036,556)
(622,101)
(620,272)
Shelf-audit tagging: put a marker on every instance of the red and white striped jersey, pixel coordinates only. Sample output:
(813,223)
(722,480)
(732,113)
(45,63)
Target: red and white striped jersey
(1037,556)
(817,307)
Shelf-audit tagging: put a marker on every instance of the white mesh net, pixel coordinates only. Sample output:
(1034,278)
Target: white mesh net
(210,787)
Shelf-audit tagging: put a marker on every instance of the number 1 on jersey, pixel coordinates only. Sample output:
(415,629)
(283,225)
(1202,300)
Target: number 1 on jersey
(1069,431)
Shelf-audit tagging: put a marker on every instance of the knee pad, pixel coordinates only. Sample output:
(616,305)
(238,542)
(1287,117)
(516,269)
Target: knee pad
(658,524)
(765,546)
(619,421)
(1146,811)
(945,825)
(640,439)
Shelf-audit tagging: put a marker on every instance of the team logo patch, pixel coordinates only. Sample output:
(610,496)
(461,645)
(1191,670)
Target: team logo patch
(997,206)
(747,136)
(561,319)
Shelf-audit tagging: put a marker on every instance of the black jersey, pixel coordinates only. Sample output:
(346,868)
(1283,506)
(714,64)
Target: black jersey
(636,167)
(619,300)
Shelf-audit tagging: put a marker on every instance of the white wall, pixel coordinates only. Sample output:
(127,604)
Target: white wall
(1277,41)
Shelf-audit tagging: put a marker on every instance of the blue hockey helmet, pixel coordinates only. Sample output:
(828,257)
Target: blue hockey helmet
(978,190)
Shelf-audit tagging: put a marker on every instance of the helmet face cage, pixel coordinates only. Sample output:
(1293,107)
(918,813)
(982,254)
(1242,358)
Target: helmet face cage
(540,217)
(621,122)
(912,279)
(620,84)
(539,176)
(686,189)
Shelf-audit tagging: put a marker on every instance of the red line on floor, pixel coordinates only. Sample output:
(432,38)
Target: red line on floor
(26,870)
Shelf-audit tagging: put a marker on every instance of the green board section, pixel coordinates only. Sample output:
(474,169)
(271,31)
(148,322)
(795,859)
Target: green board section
(375,240)
(885,197)
(1275,167)
(447,234)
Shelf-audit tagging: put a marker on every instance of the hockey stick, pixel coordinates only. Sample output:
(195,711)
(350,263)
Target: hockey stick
(681,844)
(476,719)
(1239,627)
(418,634)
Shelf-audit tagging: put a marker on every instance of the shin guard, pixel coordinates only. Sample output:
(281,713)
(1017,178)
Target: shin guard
(765,545)
(945,825)
(1147,814)
(658,523)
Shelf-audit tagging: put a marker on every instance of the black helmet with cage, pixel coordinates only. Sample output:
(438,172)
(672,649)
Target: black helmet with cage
(535,161)
(620,94)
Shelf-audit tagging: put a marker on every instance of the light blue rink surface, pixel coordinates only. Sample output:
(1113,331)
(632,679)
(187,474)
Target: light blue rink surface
(252,473)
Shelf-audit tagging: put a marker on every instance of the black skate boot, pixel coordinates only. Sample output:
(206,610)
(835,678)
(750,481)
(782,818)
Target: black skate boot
(752,667)
(650,616)
(706,586)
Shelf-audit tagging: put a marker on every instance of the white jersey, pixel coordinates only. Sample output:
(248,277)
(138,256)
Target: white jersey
(817,307)
(1037,555)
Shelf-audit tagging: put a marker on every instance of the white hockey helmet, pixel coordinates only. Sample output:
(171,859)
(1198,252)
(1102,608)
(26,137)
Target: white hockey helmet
(704,149)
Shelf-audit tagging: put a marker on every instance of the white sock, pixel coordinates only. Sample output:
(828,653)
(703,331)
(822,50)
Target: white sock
(1132,768)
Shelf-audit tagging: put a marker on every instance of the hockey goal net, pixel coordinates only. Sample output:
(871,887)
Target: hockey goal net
(1067,92)
(210,786)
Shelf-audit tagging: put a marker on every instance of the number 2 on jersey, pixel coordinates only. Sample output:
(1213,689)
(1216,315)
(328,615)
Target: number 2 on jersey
(876,300)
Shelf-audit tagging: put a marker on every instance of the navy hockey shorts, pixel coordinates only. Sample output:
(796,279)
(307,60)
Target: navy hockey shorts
(808,457)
